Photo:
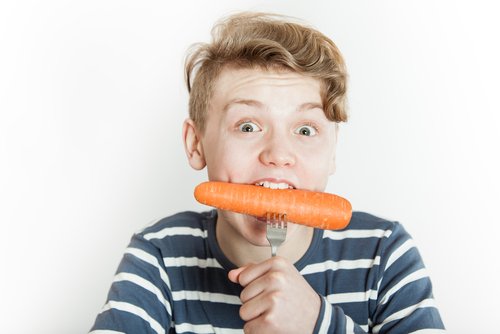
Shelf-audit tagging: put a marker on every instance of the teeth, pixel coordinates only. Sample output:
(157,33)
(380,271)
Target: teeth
(272,185)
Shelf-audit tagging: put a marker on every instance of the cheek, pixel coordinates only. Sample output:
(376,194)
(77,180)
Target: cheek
(229,160)
(315,166)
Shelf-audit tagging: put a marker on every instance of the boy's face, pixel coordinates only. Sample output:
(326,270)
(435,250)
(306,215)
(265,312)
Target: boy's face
(266,127)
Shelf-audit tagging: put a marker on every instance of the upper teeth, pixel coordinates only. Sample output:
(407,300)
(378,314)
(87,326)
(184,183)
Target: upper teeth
(272,185)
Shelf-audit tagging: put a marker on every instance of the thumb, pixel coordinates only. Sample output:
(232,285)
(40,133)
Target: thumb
(234,274)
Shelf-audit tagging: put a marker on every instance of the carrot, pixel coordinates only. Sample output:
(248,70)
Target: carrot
(316,209)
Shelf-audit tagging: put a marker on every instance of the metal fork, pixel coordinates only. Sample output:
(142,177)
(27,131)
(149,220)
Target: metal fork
(276,230)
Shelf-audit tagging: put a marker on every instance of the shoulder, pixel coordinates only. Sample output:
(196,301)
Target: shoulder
(176,232)
(366,237)
(368,222)
(393,243)
(364,225)
(364,220)
(185,219)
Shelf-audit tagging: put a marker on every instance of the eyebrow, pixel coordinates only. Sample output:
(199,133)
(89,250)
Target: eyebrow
(310,105)
(255,103)
(252,103)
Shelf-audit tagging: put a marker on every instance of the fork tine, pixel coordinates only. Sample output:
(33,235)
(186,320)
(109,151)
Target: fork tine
(276,230)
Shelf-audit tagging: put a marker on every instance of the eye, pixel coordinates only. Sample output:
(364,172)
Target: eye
(248,127)
(306,130)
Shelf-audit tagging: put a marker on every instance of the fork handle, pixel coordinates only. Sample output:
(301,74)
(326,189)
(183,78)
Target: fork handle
(274,249)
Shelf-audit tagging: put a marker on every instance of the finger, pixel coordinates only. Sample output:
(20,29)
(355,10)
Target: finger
(255,307)
(269,282)
(265,324)
(253,289)
(234,274)
(254,271)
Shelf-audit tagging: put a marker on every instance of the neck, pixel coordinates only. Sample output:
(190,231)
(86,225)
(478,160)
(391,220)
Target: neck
(241,252)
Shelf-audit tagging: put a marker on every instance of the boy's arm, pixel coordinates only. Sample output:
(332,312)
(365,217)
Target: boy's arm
(139,300)
(404,302)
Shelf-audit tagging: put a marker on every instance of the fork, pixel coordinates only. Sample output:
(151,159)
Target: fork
(275,230)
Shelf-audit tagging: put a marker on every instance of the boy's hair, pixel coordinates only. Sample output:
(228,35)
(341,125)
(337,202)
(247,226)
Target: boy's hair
(271,42)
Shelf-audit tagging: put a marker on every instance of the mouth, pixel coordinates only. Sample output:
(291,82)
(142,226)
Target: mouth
(274,185)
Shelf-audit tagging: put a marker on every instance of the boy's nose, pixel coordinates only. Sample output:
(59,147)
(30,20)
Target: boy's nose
(277,152)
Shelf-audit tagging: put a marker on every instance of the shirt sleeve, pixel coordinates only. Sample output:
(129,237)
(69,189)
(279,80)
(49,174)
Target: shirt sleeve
(404,300)
(139,300)
(332,319)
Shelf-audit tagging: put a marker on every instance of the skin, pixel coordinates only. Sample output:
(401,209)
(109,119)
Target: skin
(266,125)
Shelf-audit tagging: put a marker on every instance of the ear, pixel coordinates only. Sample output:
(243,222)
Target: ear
(333,162)
(192,145)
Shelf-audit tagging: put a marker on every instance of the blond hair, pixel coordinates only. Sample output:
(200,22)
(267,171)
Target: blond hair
(271,42)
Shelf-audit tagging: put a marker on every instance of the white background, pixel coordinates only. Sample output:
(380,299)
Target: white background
(92,100)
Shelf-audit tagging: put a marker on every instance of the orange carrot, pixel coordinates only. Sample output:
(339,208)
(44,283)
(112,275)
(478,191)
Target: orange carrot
(316,209)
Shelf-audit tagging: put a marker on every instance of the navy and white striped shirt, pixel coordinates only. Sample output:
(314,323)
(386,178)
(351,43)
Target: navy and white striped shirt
(173,279)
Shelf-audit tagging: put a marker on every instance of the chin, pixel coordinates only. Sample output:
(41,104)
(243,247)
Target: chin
(253,230)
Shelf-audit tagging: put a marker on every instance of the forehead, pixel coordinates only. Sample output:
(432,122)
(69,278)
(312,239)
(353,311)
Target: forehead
(233,83)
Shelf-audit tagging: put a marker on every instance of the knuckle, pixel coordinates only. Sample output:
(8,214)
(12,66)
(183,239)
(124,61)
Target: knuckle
(276,278)
(269,320)
(278,262)
(273,301)
(248,328)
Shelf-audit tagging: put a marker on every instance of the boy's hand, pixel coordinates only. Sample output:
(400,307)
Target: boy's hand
(276,298)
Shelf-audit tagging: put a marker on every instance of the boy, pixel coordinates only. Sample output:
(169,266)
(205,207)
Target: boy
(266,97)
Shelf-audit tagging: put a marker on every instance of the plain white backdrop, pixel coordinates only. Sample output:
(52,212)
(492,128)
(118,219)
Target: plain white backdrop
(92,100)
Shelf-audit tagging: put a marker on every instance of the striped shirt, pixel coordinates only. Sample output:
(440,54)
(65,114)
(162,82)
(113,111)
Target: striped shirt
(173,279)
